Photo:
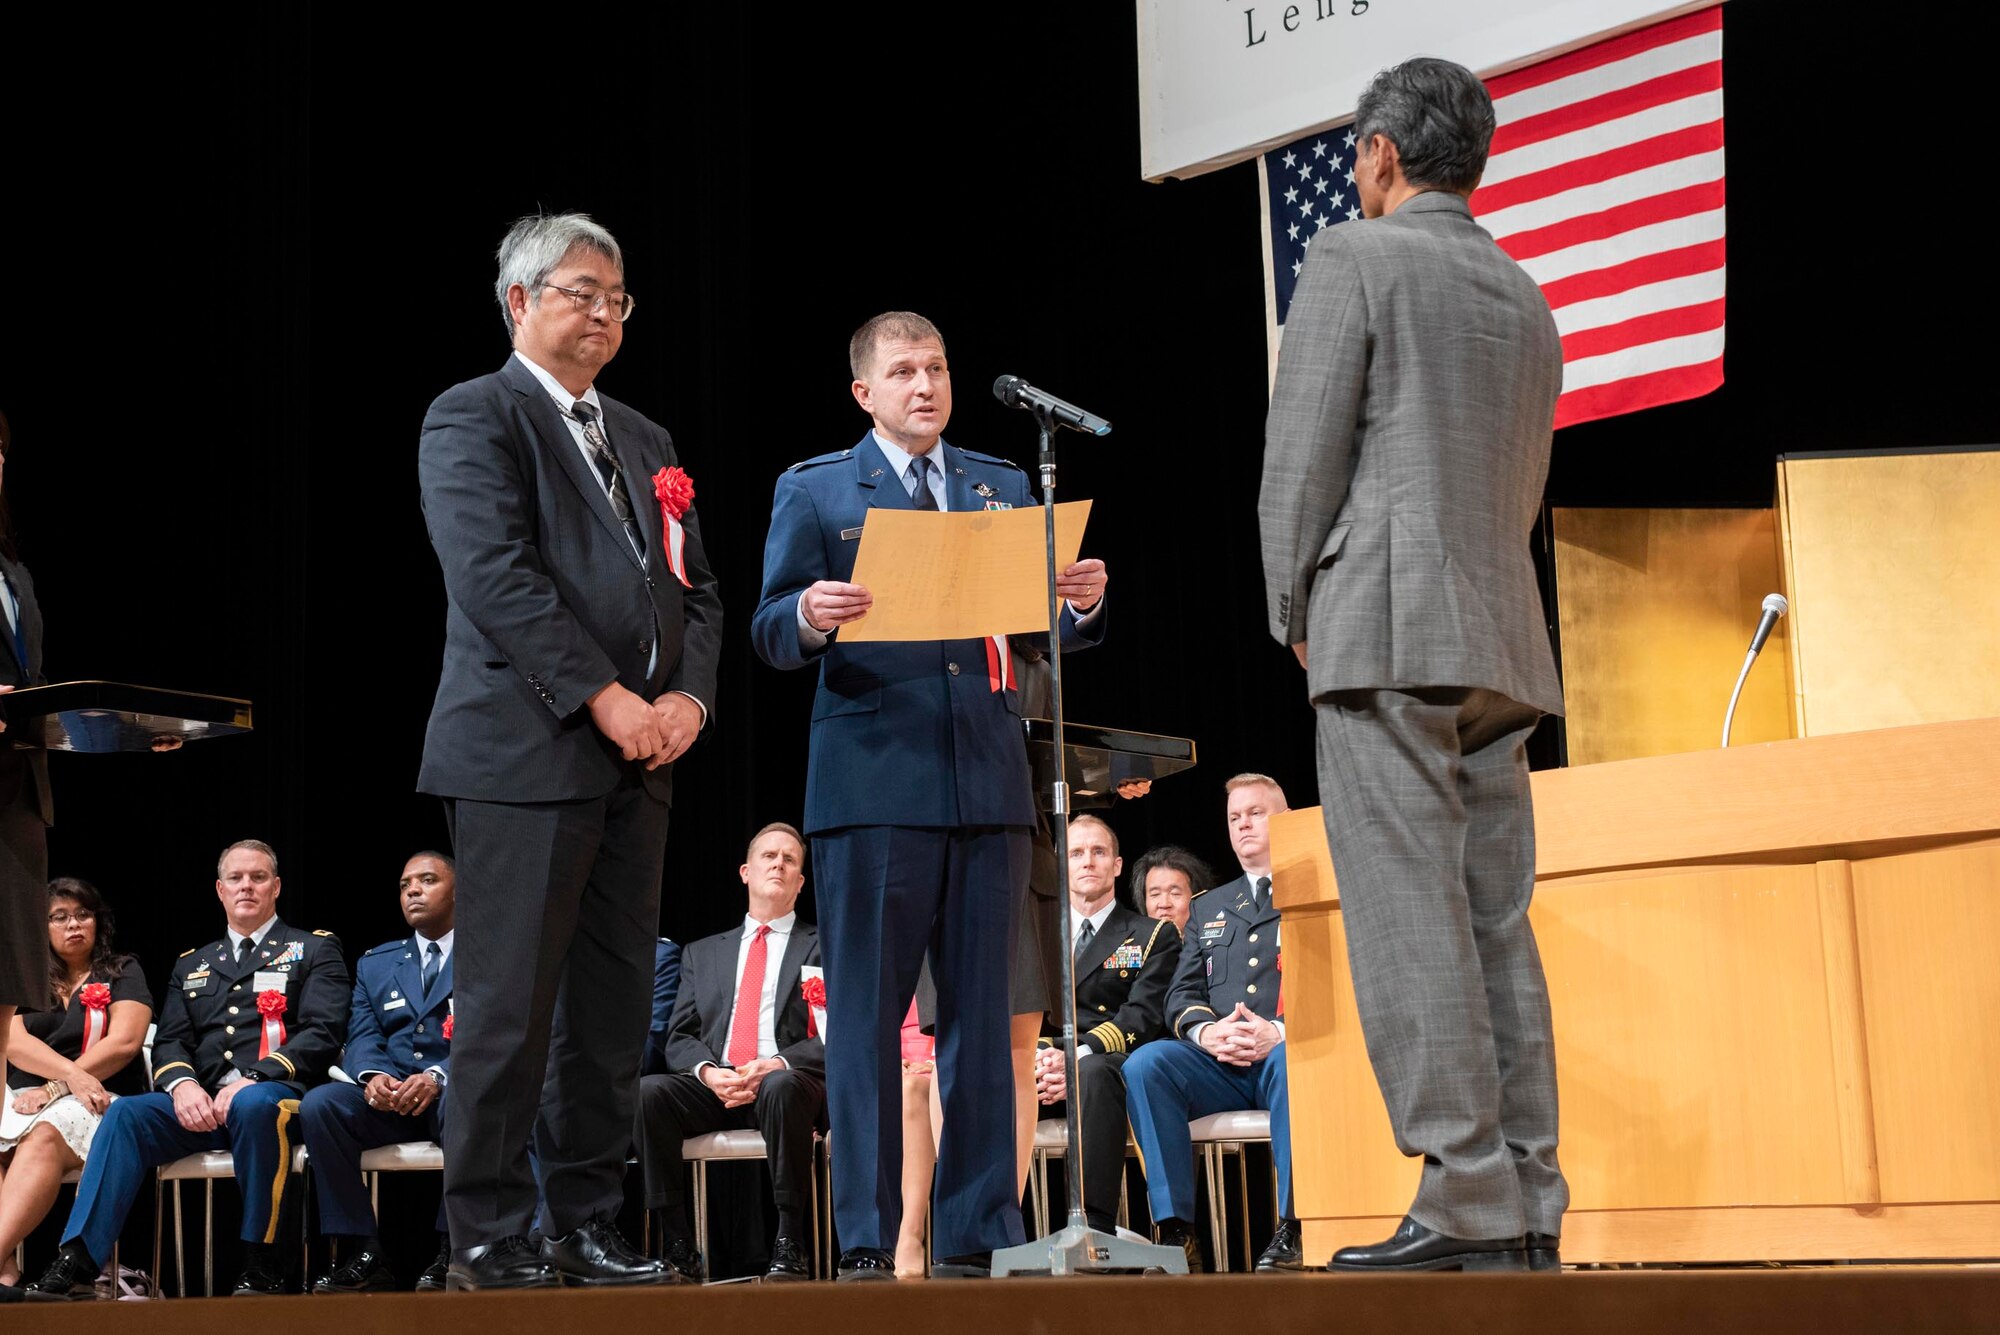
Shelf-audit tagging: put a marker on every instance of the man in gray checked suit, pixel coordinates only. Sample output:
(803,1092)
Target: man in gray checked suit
(1405,455)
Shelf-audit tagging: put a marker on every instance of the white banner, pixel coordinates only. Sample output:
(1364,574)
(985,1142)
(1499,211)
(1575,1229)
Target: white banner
(1223,80)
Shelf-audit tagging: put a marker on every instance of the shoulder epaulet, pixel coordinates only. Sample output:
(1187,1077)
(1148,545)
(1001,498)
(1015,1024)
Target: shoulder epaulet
(1158,924)
(321,931)
(1198,894)
(837,455)
(189,951)
(991,459)
(398,944)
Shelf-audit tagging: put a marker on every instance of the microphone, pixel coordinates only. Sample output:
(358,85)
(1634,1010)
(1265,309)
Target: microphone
(1018,393)
(1775,606)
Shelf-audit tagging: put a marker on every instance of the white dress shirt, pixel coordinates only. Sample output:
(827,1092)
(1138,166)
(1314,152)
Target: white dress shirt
(767,1003)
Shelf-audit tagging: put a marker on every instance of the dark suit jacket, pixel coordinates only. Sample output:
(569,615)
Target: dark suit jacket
(1230,954)
(1120,1002)
(666,989)
(31,765)
(195,1035)
(391,1027)
(905,733)
(546,600)
(700,1031)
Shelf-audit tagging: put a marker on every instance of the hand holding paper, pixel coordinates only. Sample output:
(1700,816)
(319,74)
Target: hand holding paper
(959,575)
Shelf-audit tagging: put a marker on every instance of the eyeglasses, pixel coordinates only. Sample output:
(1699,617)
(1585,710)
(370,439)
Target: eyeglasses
(63,918)
(617,304)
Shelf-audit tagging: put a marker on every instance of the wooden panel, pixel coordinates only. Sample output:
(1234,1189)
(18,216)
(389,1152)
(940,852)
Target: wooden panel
(1929,930)
(1839,793)
(1840,954)
(1891,561)
(1656,609)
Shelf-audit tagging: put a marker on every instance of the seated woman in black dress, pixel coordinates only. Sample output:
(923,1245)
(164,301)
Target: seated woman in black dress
(66,1064)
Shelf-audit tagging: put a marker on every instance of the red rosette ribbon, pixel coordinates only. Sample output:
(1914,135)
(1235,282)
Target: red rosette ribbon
(675,492)
(447,1027)
(271,1005)
(814,991)
(96,998)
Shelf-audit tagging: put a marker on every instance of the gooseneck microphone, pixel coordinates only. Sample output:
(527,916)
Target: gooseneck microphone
(1775,606)
(1018,393)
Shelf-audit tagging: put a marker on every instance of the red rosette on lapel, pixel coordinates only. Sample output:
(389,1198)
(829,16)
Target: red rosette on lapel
(675,491)
(446,1031)
(96,998)
(271,1005)
(814,991)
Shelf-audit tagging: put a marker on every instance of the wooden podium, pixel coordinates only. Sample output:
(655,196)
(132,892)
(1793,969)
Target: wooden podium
(1776,979)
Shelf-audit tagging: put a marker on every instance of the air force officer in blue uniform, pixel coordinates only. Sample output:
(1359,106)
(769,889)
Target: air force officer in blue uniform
(399,1056)
(919,804)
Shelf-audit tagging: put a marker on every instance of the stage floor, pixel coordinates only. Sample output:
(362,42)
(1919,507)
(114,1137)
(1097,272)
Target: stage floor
(1828,1301)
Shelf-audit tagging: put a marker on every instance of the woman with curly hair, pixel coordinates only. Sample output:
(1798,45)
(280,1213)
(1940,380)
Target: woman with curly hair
(66,1063)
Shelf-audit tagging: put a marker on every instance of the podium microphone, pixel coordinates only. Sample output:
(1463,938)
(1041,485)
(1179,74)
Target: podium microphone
(1018,393)
(1775,606)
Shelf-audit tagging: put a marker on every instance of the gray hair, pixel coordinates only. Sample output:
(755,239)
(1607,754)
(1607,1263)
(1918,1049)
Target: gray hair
(535,245)
(247,846)
(1439,117)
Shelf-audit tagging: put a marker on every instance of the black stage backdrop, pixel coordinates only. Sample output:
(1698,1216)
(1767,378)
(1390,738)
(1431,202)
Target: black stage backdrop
(230,306)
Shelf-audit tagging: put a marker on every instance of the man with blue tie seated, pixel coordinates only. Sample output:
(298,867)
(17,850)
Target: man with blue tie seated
(919,804)
(742,1052)
(248,1023)
(1224,1005)
(398,1054)
(666,987)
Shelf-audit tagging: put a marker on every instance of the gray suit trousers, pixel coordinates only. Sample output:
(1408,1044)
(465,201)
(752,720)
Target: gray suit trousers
(1431,825)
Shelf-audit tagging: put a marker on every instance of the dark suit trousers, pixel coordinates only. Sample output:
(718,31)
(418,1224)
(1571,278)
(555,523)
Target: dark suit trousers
(1431,824)
(339,1125)
(886,893)
(1101,1078)
(676,1106)
(552,973)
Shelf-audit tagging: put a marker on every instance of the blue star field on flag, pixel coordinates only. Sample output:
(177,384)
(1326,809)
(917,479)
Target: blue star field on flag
(1311,188)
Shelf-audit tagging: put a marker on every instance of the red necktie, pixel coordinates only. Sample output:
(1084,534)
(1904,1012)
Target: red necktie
(749,1001)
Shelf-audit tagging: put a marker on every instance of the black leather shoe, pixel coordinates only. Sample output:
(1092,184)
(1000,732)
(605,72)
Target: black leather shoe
(1545,1252)
(1179,1233)
(973,1265)
(596,1255)
(788,1262)
(12,1293)
(686,1261)
(511,1263)
(433,1278)
(71,1277)
(1284,1253)
(363,1272)
(865,1264)
(1414,1247)
(259,1279)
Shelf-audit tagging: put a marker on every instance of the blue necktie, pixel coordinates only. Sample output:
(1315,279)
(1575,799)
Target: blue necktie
(432,963)
(920,476)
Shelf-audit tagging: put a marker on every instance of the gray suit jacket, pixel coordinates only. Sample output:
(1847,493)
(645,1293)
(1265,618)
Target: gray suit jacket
(545,599)
(1404,459)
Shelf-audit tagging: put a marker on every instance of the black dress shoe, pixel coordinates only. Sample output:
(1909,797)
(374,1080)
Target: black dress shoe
(1414,1247)
(1284,1253)
(12,1293)
(788,1262)
(1179,1233)
(596,1255)
(511,1263)
(364,1272)
(1545,1252)
(686,1261)
(71,1277)
(259,1279)
(433,1278)
(865,1264)
(972,1265)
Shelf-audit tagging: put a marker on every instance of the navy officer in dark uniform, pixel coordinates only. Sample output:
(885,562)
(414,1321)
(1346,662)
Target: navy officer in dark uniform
(1224,1005)
(919,804)
(1123,965)
(399,1057)
(248,1024)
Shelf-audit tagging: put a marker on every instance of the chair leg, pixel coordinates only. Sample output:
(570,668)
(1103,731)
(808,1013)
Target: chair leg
(1243,1202)
(159,1283)
(208,1240)
(1218,1226)
(180,1241)
(700,1167)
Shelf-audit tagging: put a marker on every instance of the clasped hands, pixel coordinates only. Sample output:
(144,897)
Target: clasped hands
(409,1096)
(1240,1038)
(83,1086)
(659,733)
(828,603)
(736,1086)
(1051,1076)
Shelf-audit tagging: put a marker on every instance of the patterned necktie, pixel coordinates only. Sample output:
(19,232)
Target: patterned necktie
(1084,934)
(432,963)
(749,1001)
(610,470)
(920,478)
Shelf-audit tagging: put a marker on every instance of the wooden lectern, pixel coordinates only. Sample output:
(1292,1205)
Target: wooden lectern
(1776,978)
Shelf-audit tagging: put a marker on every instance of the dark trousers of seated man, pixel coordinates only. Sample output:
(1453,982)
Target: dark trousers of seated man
(673,1107)
(339,1125)
(1100,1076)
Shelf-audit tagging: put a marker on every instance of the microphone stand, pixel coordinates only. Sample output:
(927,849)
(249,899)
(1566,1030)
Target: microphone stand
(1075,1248)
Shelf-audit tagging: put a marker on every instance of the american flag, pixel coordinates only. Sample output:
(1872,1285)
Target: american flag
(1604,182)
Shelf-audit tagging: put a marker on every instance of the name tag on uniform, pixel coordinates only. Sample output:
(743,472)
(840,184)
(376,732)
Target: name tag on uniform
(849,534)
(194,982)
(1213,931)
(269,980)
(397,1003)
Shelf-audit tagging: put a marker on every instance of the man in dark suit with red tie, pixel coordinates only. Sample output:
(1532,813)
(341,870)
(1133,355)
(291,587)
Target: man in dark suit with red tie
(742,1051)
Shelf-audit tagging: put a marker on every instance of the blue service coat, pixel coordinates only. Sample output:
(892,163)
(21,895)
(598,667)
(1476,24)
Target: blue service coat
(392,1028)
